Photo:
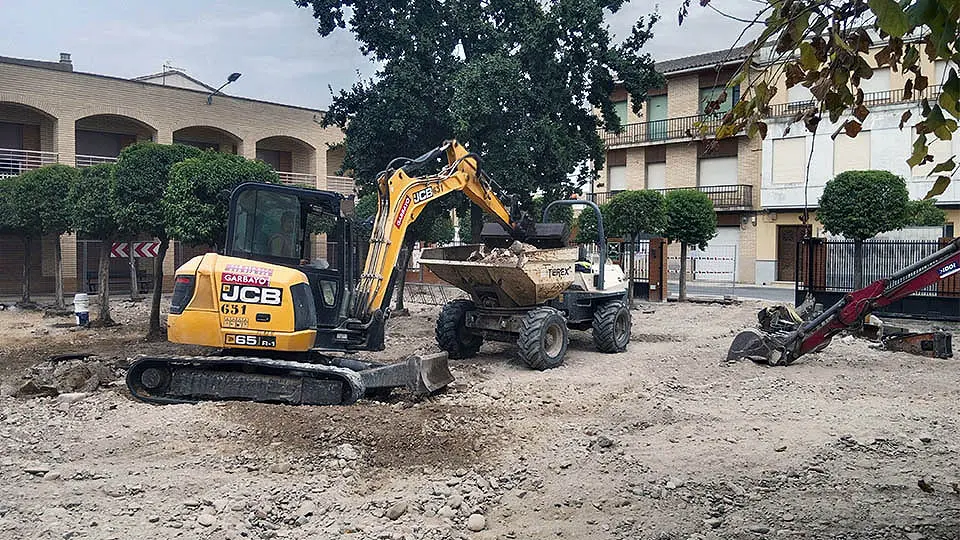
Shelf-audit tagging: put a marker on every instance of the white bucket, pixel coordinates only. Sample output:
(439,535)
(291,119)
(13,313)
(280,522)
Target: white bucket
(81,308)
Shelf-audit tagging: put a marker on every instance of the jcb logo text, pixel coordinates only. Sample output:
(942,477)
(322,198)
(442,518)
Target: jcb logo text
(249,294)
(423,194)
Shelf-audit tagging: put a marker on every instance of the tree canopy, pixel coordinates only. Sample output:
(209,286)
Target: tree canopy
(587,224)
(94,211)
(40,200)
(141,180)
(196,200)
(690,217)
(924,213)
(862,204)
(518,81)
(637,211)
(826,46)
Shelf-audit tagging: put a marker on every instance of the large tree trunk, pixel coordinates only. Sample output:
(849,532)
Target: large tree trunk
(402,278)
(58,274)
(155,332)
(27,249)
(103,293)
(858,264)
(134,279)
(683,271)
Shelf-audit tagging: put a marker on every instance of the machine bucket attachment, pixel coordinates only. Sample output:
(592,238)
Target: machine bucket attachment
(931,344)
(418,374)
(756,346)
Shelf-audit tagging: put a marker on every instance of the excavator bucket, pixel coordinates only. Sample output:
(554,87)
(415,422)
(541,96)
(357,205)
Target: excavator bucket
(418,374)
(755,345)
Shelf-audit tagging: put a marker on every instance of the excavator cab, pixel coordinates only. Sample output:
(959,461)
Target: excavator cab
(301,229)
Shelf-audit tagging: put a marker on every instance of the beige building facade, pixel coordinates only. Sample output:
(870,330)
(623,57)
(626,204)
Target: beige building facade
(796,164)
(663,149)
(50,113)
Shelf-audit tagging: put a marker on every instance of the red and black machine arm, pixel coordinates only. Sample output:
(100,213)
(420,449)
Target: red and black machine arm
(784,348)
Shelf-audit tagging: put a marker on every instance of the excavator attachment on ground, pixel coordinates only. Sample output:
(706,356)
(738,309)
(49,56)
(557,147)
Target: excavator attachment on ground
(783,336)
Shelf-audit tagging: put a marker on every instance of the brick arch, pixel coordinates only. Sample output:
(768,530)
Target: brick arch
(45,108)
(123,112)
(217,129)
(285,136)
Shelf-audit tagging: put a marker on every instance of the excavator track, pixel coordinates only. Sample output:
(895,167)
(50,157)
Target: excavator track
(191,379)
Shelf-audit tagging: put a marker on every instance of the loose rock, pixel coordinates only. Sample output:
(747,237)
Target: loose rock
(476,522)
(397,510)
(206,519)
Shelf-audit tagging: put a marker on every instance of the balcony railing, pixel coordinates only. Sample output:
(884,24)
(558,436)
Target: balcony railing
(14,162)
(681,127)
(728,197)
(341,184)
(90,161)
(298,179)
(870,99)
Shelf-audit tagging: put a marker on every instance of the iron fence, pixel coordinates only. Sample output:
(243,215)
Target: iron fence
(825,269)
(869,99)
(724,197)
(681,127)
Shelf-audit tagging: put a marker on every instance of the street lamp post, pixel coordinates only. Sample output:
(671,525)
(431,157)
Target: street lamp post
(230,79)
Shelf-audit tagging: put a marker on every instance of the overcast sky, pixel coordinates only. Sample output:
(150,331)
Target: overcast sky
(273,44)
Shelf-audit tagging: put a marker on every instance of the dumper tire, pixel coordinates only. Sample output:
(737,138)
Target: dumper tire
(453,335)
(543,338)
(611,327)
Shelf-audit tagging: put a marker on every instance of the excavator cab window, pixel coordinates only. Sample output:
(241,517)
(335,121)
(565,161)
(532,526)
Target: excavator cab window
(267,226)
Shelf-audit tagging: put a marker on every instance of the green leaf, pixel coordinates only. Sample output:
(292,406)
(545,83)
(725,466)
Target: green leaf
(919,151)
(946,166)
(890,17)
(808,56)
(939,186)
(950,95)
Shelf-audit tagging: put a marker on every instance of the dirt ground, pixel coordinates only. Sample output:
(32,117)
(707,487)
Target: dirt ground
(665,441)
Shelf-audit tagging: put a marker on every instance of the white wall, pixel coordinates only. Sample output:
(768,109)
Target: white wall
(884,147)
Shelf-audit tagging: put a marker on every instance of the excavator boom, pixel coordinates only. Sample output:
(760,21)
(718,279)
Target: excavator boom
(403,197)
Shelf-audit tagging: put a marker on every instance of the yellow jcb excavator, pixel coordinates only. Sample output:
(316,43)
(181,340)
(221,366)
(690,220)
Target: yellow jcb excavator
(279,300)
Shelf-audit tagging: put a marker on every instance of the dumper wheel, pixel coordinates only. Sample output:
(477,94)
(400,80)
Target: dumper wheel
(611,327)
(453,335)
(543,338)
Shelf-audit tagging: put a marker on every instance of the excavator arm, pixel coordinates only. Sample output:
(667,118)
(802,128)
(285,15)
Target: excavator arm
(402,197)
(783,348)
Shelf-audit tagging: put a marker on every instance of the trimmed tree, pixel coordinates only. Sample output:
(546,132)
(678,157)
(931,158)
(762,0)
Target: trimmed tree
(861,205)
(634,212)
(690,221)
(95,215)
(196,201)
(924,213)
(141,176)
(42,208)
(587,224)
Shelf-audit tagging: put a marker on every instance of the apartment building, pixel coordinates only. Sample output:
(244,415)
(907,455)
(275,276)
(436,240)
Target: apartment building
(50,113)
(662,149)
(786,188)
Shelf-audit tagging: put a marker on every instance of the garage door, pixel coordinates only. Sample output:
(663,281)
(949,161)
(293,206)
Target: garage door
(719,261)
